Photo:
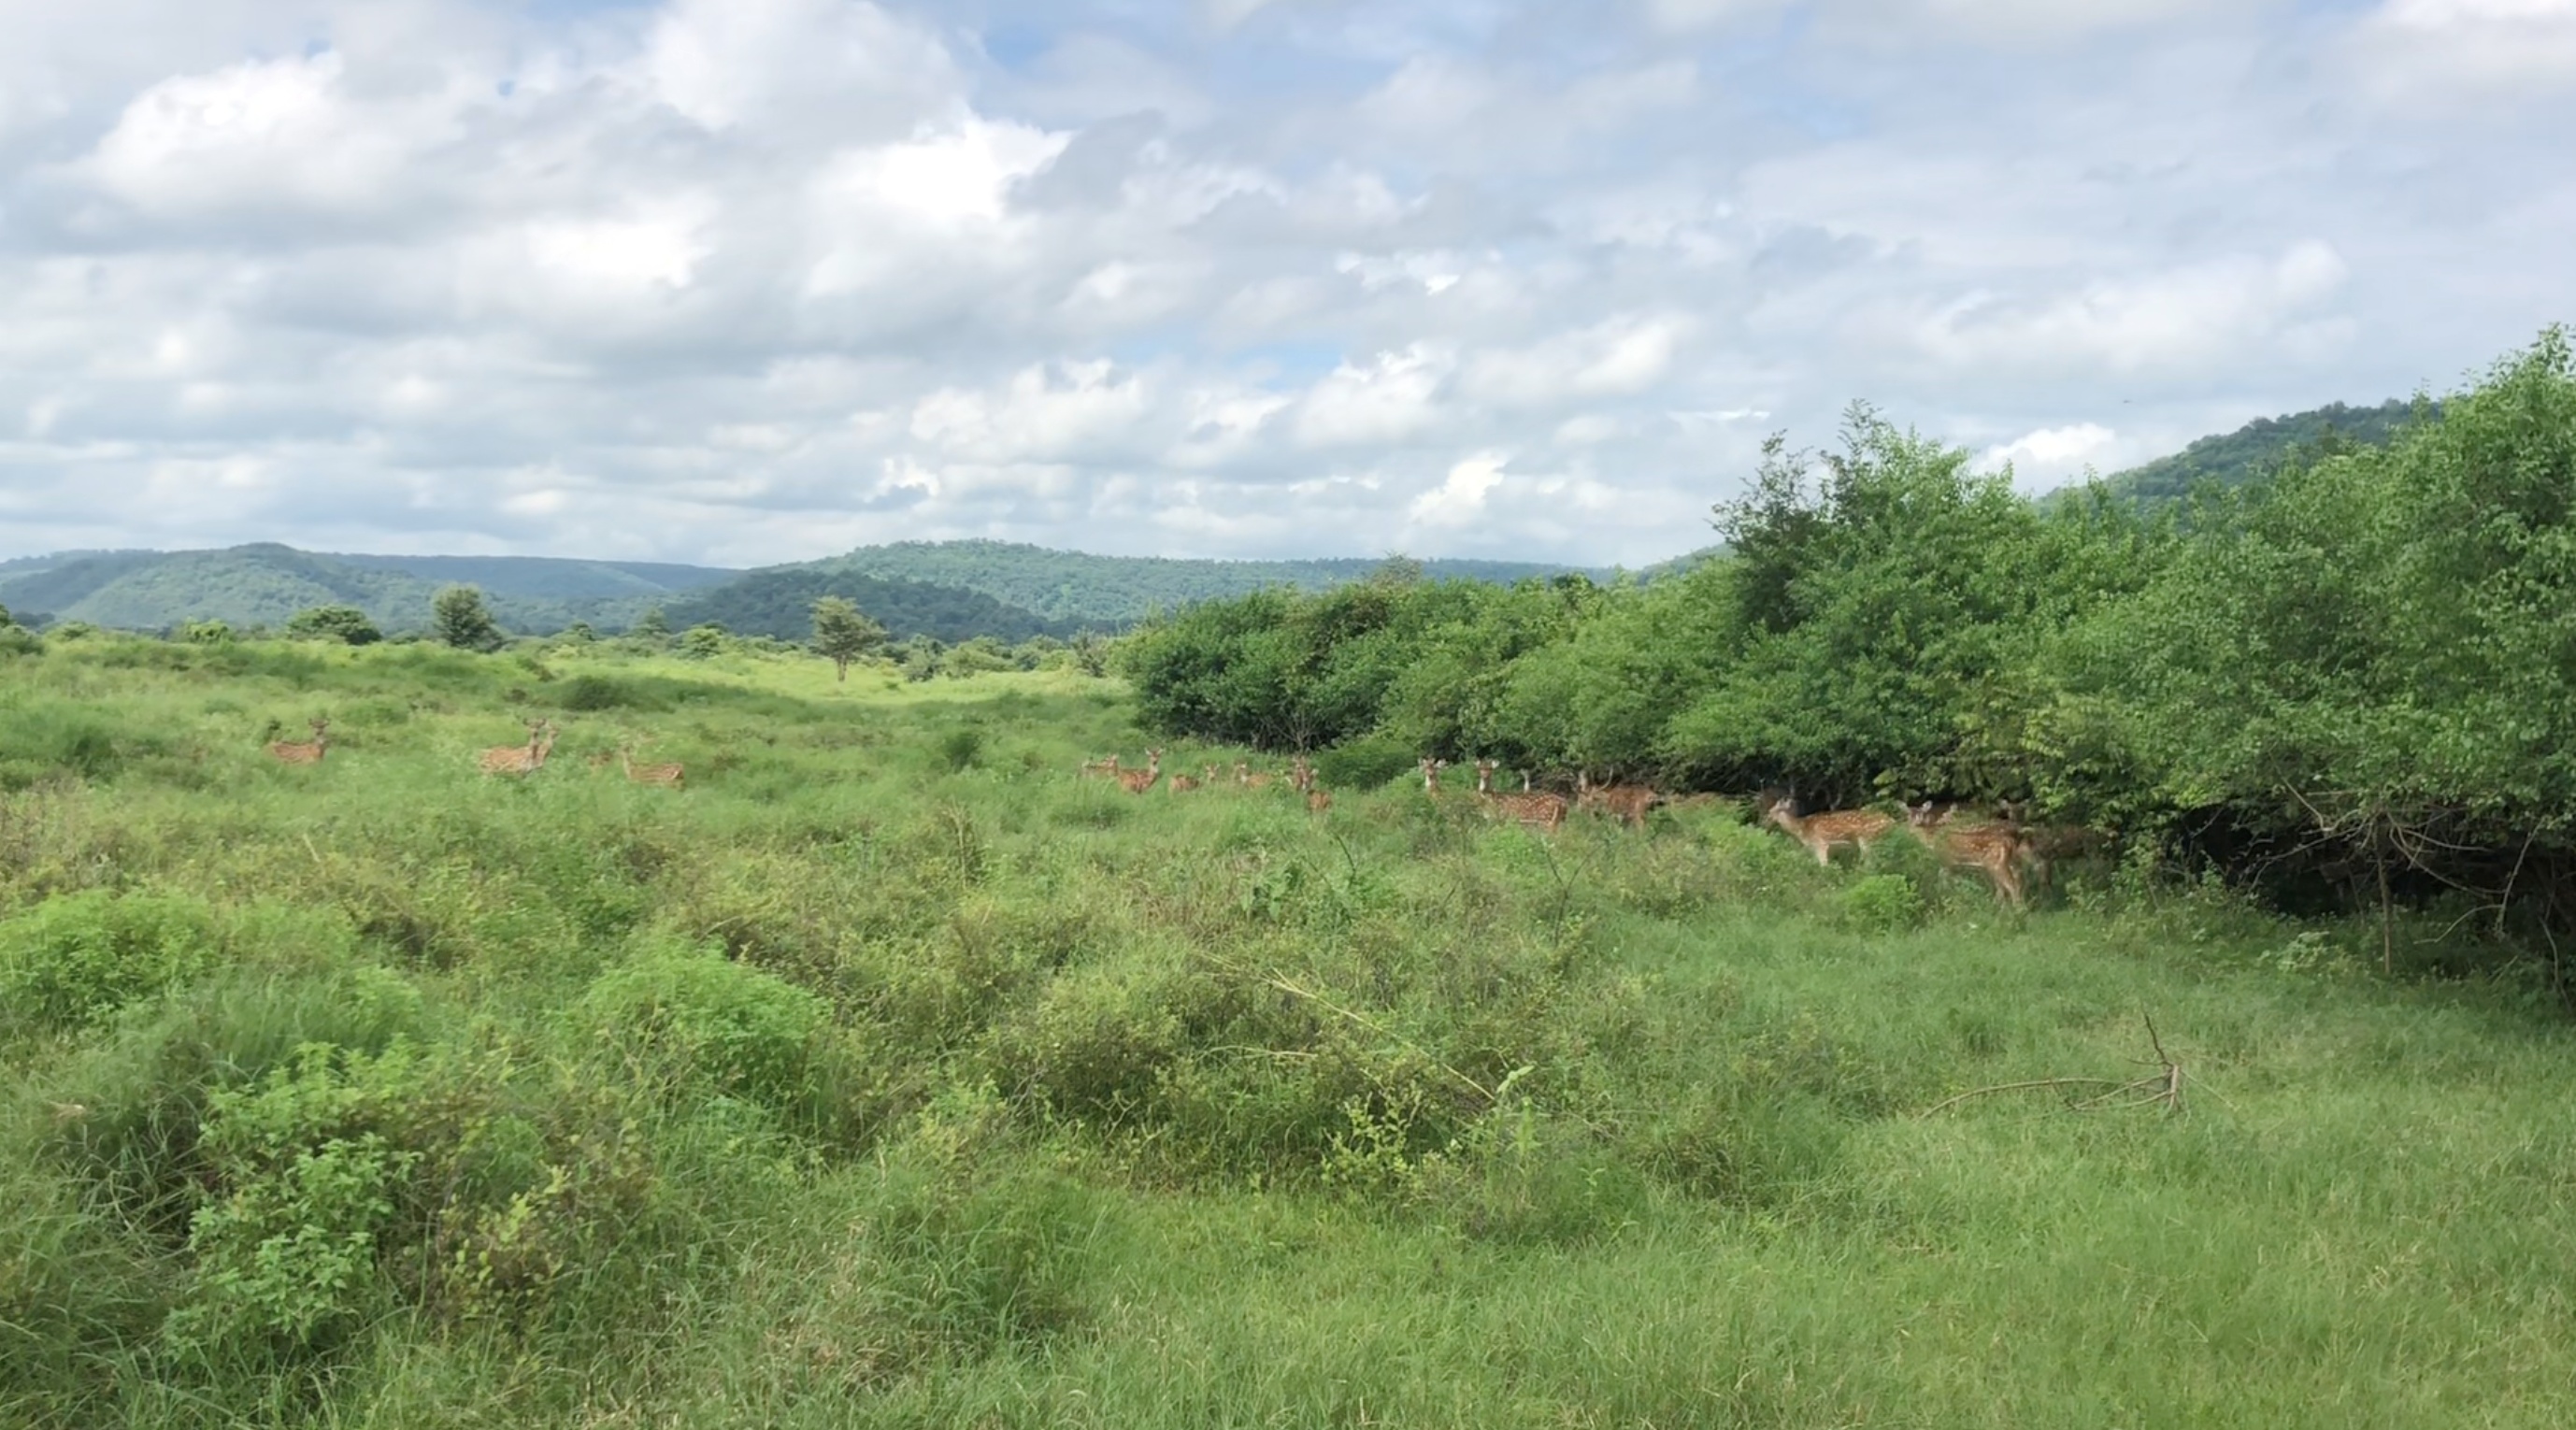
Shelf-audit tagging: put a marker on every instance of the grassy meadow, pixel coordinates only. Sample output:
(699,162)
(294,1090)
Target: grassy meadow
(891,1074)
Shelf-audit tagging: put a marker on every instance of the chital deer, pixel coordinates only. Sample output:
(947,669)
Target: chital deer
(670,774)
(1431,769)
(1183,784)
(1537,811)
(522,760)
(310,752)
(1139,781)
(1100,769)
(1318,800)
(1244,776)
(1997,850)
(1859,828)
(1629,802)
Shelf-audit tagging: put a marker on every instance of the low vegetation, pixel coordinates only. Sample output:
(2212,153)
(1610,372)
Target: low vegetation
(888,1071)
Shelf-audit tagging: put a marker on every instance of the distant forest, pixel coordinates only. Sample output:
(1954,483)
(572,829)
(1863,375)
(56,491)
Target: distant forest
(779,602)
(2259,447)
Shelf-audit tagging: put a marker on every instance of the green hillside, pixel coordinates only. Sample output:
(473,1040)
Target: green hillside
(1072,586)
(553,578)
(266,584)
(2259,447)
(779,602)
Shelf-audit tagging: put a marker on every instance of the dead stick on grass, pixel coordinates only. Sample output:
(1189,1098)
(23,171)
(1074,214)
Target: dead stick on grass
(2164,1087)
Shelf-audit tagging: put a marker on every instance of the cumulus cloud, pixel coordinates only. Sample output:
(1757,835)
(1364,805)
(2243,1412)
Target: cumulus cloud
(757,280)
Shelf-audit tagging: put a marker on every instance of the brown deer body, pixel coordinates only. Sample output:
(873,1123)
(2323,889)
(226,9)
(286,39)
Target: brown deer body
(1859,828)
(1244,776)
(1536,811)
(1628,802)
(670,775)
(1431,769)
(1100,769)
(1301,778)
(1183,784)
(522,760)
(310,752)
(1996,850)
(1139,781)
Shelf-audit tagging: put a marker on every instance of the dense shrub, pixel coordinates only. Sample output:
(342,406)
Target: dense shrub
(72,960)
(690,1017)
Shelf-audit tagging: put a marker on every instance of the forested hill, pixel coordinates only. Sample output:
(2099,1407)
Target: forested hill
(267,584)
(2259,447)
(1110,591)
(779,602)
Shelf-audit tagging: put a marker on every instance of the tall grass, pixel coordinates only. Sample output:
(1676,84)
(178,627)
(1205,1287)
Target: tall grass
(891,1074)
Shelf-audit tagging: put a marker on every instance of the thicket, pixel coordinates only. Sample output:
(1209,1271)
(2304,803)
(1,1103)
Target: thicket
(2358,672)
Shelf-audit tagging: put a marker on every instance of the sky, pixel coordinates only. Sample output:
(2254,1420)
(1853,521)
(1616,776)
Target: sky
(753,281)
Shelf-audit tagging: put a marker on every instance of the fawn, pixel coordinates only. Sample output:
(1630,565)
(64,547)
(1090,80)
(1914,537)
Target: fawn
(304,752)
(518,760)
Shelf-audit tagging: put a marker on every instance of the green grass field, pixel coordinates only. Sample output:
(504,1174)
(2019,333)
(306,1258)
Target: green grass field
(890,1074)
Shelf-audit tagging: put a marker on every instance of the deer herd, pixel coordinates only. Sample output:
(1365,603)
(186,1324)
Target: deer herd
(516,760)
(2009,852)
(2002,847)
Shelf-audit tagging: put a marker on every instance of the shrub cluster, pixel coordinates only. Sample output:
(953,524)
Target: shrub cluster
(2365,662)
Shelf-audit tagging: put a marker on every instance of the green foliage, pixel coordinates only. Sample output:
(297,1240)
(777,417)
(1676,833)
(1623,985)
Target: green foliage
(842,634)
(206,633)
(72,961)
(703,642)
(459,618)
(1883,903)
(690,1016)
(780,602)
(346,624)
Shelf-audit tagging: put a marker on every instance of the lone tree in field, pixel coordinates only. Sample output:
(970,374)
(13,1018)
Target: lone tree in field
(345,624)
(843,634)
(459,618)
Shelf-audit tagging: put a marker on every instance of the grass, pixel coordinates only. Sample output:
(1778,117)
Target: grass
(891,1075)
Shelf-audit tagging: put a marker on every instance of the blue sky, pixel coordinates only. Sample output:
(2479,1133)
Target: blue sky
(758,280)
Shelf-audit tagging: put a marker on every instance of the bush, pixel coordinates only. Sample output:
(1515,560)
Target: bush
(346,624)
(75,959)
(1883,903)
(693,1018)
(1365,764)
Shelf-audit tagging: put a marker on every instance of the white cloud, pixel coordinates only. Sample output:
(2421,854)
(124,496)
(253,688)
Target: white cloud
(758,279)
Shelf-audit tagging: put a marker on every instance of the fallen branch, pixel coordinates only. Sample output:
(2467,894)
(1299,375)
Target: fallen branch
(2163,1087)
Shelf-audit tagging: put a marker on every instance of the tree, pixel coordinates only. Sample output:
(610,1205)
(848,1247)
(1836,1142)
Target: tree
(652,625)
(345,624)
(459,618)
(703,641)
(842,634)
(4,616)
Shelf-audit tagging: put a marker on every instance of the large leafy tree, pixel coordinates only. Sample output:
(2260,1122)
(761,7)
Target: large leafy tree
(459,617)
(345,624)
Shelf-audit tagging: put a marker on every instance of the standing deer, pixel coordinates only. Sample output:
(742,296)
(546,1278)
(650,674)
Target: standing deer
(517,760)
(304,753)
(1139,781)
(1859,828)
(1537,811)
(1995,849)
(1628,802)
(670,774)
(1431,769)
(1301,777)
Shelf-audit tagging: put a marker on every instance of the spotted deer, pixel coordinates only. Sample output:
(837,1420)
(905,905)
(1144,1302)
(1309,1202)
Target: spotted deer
(1996,850)
(1431,769)
(522,760)
(670,775)
(1536,811)
(304,752)
(1628,802)
(1183,784)
(1100,769)
(1244,776)
(1139,781)
(1859,828)
(1301,777)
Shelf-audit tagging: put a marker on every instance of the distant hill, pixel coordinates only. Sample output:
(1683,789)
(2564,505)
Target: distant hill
(779,602)
(266,584)
(2258,448)
(1113,591)
(554,578)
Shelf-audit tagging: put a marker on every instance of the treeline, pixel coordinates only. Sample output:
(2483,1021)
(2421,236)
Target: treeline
(779,602)
(2359,669)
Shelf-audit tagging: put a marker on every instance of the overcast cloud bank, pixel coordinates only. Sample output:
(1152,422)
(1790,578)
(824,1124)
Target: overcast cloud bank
(743,281)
